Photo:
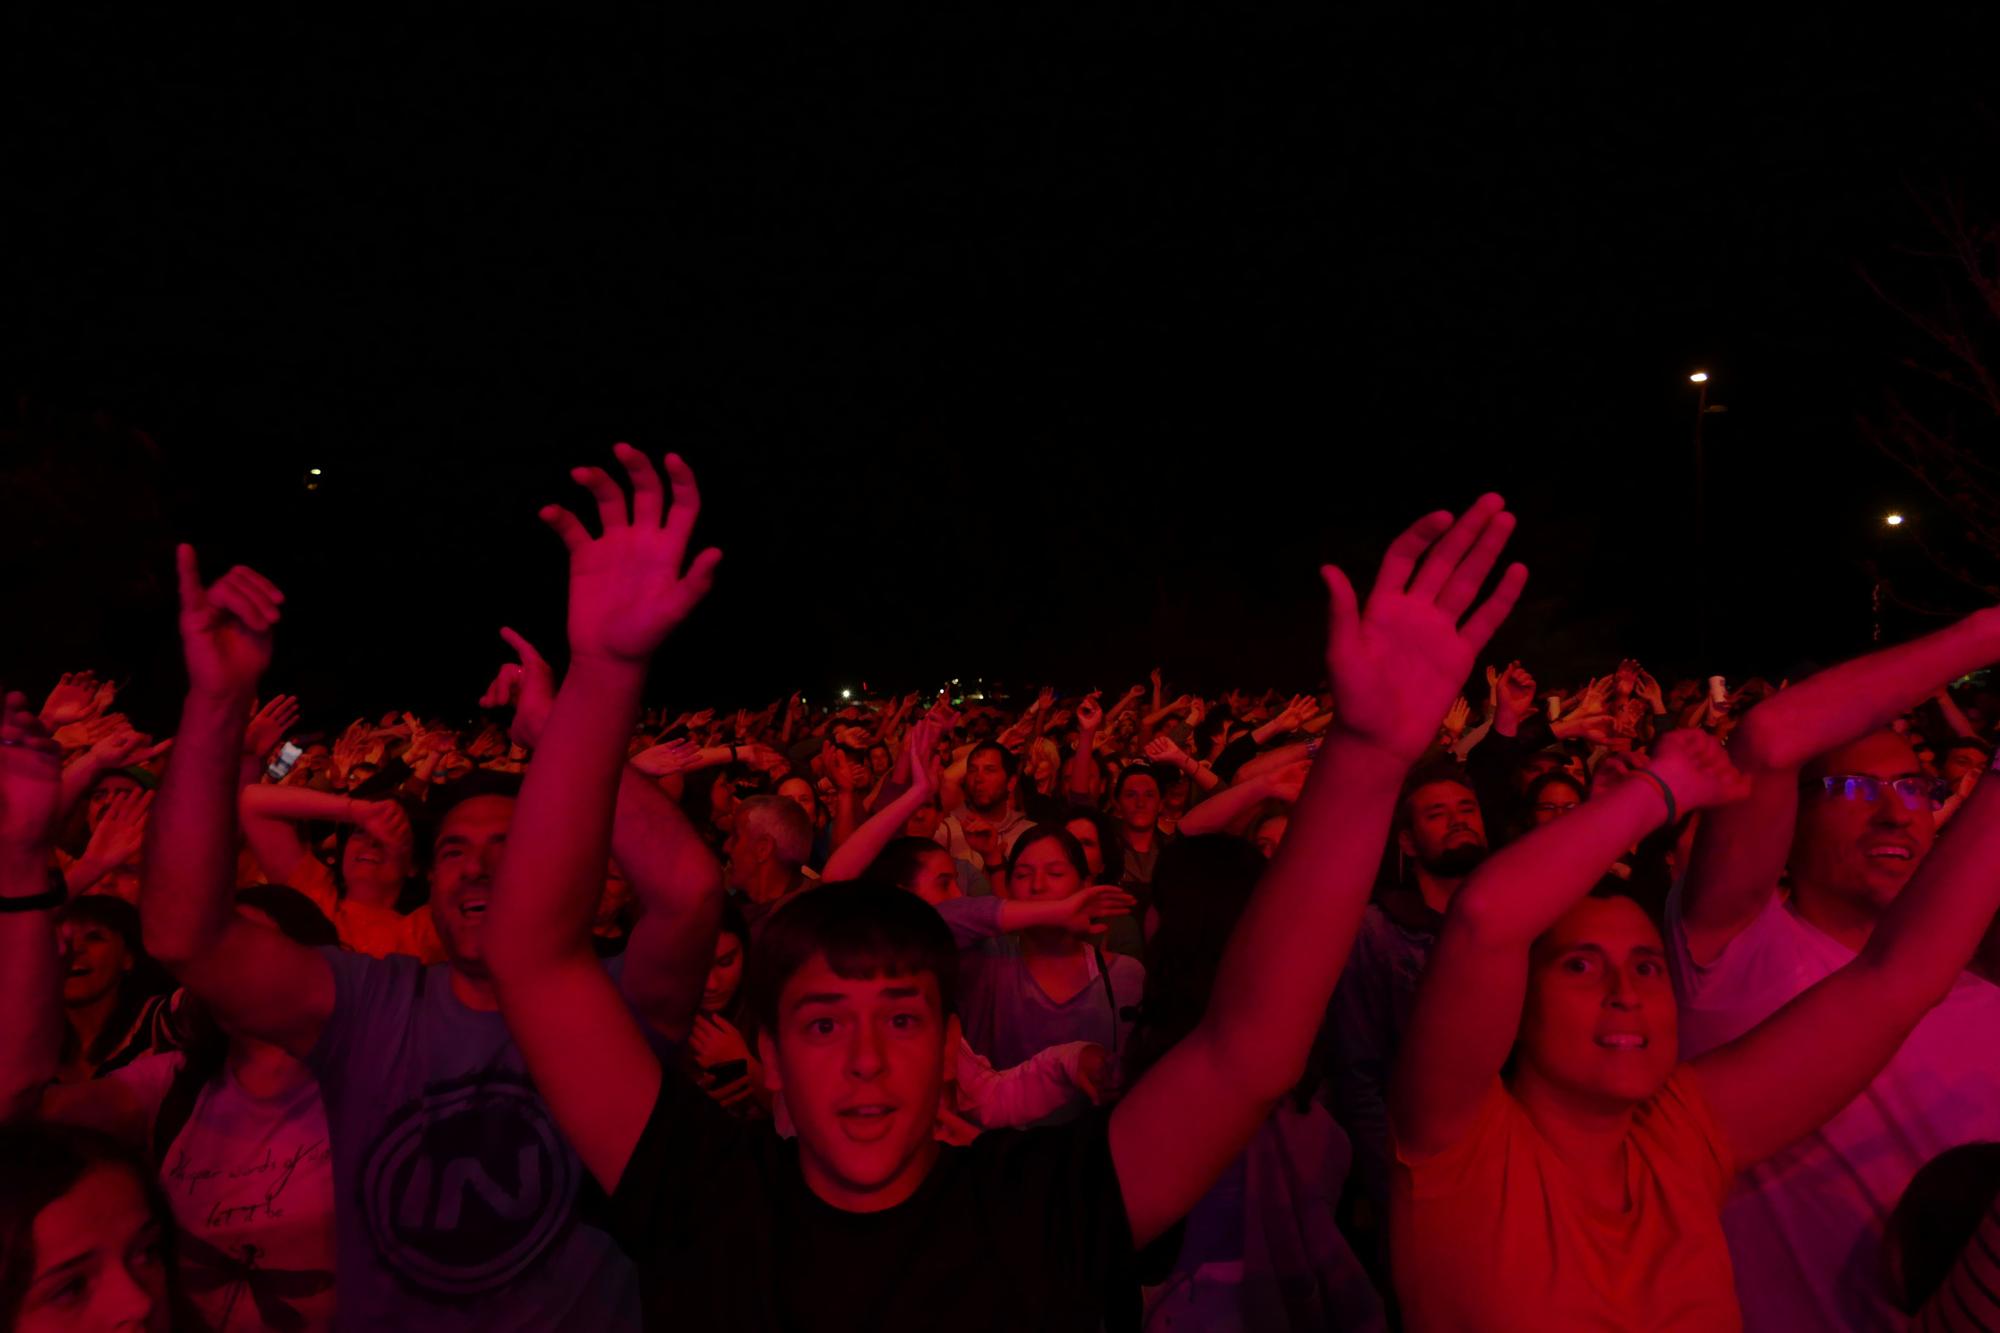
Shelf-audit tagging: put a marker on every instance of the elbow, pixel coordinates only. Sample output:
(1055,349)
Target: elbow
(1759,745)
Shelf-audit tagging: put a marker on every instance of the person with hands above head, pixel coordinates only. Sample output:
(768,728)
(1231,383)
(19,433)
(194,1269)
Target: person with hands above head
(419,1071)
(375,855)
(1842,812)
(867,1220)
(1558,1162)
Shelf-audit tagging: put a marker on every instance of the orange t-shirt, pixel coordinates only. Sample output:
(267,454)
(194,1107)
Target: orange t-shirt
(375,931)
(1492,1233)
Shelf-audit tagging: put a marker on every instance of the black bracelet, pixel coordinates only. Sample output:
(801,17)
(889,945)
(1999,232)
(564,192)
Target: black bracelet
(54,896)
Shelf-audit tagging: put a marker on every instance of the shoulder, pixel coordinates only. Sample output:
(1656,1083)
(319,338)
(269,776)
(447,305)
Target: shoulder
(1480,1152)
(1678,1118)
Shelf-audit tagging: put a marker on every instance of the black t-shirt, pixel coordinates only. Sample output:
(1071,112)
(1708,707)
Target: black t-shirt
(1021,1230)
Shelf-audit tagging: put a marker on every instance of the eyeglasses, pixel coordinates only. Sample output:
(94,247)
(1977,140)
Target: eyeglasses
(1915,791)
(1555,807)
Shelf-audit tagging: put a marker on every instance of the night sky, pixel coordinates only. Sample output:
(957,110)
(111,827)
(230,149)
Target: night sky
(1044,352)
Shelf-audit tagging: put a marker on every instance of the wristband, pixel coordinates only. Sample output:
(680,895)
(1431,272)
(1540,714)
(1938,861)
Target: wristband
(54,896)
(1666,793)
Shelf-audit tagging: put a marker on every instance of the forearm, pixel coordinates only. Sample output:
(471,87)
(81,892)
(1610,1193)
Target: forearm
(670,868)
(1224,808)
(560,839)
(1856,697)
(30,986)
(847,816)
(78,777)
(296,805)
(190,854)
(1082,778)
(1954,716)
(1279,968)
(1271,760)
(1526,886)
(853,855)
(1928,935)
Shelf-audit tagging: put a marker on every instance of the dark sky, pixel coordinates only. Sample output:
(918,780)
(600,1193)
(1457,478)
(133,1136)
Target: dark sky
(1045,351)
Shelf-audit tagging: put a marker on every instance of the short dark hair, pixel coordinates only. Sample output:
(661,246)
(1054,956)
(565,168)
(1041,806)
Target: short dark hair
(451,795)
(897,863)
(863,929)
(1940,1210)
(1428,775)
(1110,840)
(1008,763)
(1554,778)
(1969,743)
(1131,771)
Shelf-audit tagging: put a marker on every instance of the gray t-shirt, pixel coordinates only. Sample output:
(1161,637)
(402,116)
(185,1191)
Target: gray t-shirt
(456,1197)
(1008,1017)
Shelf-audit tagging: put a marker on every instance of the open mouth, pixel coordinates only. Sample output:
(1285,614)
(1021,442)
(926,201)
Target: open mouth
(868,1122)
(472,907)
(1623,1041)
(1890,851)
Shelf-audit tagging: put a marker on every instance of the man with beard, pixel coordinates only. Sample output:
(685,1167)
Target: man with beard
(985,826)
(1440,839)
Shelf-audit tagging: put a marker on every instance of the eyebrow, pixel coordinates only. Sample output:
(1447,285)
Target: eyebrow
(840,997)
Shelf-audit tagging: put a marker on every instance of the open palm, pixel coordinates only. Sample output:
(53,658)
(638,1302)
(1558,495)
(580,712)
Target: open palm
(1398,662)
(628,588)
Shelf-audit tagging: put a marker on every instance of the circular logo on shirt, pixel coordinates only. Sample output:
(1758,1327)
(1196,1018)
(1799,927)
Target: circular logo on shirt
(468,1185)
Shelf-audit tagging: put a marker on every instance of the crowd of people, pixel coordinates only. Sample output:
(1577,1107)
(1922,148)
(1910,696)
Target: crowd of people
(1620,1004)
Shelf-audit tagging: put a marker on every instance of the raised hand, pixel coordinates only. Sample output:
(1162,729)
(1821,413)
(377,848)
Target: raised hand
(30,780)
(386,821)
(1089,912)
(77,697)
(1397,662)
(661,761)
(630,586)
(1697,770)
(1160,750)
(1456,716)
(124,748)
(1514,691)
(1287,782)
(528,687)
(1089,712)
(226,627)
(269,724)
(120,831)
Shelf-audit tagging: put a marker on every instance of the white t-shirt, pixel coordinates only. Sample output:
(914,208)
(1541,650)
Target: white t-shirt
(1805,1227)
(251,1184)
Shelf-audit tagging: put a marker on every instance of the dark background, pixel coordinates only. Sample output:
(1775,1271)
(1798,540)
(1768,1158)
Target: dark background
(1045,351)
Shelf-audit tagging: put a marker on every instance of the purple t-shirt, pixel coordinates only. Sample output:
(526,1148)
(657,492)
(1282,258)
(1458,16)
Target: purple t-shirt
(456,1197)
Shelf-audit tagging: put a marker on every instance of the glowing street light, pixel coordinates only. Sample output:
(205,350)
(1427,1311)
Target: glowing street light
(1894,520)
(312,472)
(1699,377)
(847,694)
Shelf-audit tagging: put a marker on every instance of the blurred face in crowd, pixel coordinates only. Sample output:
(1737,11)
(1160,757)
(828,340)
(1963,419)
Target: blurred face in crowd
(924,821)
(1554,800)
(464,858)
(800,791)
(1042,870)
(1600,1027)
(879,760)
(985,780)
(374,870)
(1085,832)
(1139,803)
(99,1261)
(94,960)
(1270,831)
(1445,833)
(861,1064)
(725,974)
(1855,856)
(101,794)
(935,879)
(1960,761)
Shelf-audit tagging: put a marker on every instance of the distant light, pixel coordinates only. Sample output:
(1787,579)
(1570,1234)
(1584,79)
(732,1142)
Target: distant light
(954,680)
(1893,520)
(312,472)
(1699,377)
(847,694)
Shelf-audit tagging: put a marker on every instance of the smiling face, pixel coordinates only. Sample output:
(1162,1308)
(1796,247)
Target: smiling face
(464,859)
(99,1261)
(94,960)
(1854,857)
(861,1064)
(373,870)
(1600,1025)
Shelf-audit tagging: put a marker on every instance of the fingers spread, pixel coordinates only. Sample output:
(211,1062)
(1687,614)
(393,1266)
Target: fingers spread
(647,495)
(1496,608)
(1443,559)
(1465,581)
(1401,557)
(566,526)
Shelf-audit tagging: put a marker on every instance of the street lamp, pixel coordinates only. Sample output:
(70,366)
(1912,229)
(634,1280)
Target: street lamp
(1700,381)
(1893,520)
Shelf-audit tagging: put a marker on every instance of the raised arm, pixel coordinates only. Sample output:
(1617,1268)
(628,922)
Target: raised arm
(674,877)
(256,981)
(271,816)
(1468,1009)
(1791,1072)
(1395,666)
(1082,779)
(1740,852)
(1219,812)
(30,974)
(627,591)
(852,858)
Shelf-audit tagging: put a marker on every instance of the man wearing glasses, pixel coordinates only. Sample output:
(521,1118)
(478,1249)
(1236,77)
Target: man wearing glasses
(1782,889)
